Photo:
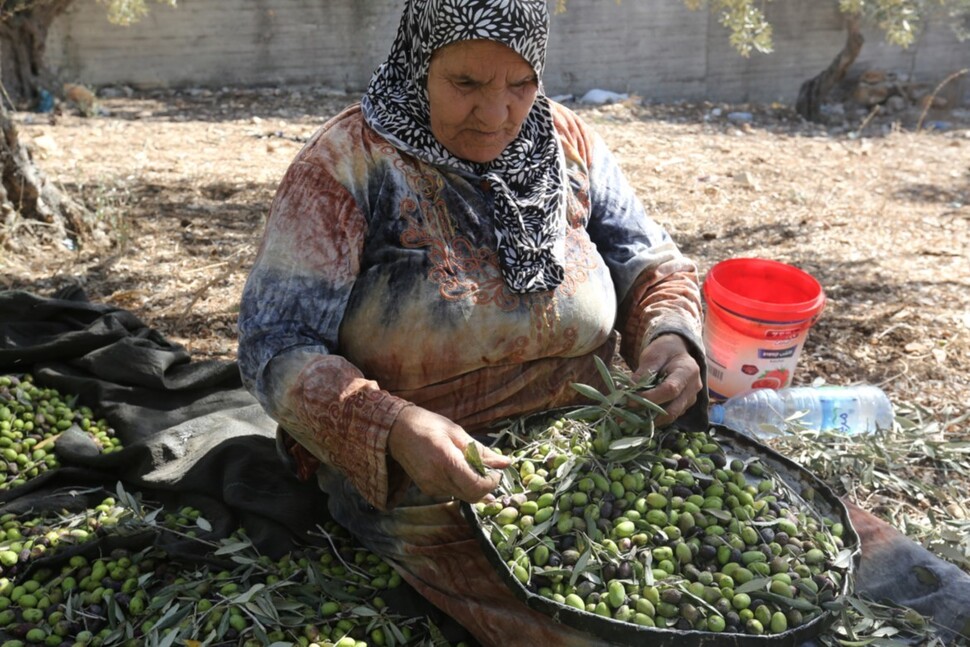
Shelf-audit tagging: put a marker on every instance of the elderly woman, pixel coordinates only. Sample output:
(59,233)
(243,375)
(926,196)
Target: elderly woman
(454,251)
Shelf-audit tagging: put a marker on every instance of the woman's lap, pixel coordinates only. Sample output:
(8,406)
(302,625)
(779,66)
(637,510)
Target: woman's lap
(431,544)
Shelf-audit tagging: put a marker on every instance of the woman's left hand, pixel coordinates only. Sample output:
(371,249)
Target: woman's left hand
(667,357)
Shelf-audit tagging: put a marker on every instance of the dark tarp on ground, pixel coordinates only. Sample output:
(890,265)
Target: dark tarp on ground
(191,434)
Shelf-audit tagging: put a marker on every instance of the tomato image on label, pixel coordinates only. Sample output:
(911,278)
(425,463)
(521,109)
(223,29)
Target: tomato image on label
(773,379)
(749,369)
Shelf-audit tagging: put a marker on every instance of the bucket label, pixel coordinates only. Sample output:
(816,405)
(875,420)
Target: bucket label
(769,353)
(738,362)
(782,335)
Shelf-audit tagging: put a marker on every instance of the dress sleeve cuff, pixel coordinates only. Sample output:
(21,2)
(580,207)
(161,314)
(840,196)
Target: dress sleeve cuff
(680,315)
(697,417)
(350,432)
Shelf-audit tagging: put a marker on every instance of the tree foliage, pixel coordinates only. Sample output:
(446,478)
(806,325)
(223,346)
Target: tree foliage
(900,20)
(120,12)
(747,26)
(128,12)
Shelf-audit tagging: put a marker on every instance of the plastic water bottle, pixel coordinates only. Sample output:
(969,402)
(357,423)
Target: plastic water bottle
(850,410)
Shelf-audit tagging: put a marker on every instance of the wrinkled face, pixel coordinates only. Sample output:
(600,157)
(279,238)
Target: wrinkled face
(480,93)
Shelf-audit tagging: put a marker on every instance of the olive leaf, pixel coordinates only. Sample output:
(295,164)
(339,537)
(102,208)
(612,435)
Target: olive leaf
(647,404)
(538,531)
(628,442)
(800,604)
(585,414)
(629,416)
(233,547)
(843,559)
(605,373)
(753,585)
(580,565)
(474,458)
(248,595)
(591,393)
(593,577)
(169,638)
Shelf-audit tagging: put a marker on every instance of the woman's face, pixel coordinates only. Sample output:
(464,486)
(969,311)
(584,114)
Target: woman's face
(480,92)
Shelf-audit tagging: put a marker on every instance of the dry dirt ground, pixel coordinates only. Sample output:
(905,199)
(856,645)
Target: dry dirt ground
(877,211)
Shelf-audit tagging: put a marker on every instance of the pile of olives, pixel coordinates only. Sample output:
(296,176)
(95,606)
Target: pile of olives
(31,419)
(319,596)
(661,530)
(327,597)
(23,539)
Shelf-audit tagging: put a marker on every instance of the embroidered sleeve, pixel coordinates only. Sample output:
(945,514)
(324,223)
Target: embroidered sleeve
(290,315)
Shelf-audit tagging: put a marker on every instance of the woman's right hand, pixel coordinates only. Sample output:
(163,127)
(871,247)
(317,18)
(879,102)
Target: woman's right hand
(431,449)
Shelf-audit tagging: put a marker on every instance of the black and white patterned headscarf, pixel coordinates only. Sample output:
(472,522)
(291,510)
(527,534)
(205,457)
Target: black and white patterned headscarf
(528,177)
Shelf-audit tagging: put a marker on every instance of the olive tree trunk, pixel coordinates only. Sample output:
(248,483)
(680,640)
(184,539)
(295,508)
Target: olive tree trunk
(27,198)
(23,42)
(813,92)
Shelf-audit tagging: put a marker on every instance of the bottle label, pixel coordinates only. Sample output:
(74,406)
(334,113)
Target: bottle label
(843,413)
(840,414)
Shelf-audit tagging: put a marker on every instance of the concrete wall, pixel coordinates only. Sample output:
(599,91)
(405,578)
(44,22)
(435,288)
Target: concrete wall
(657,49)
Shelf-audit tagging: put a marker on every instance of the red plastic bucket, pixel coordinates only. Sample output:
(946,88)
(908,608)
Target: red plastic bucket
(758,316)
